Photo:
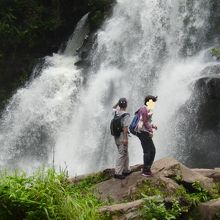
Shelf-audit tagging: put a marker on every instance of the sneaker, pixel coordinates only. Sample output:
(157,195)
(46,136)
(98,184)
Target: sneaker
(126,173)
(120,177)
(147,174)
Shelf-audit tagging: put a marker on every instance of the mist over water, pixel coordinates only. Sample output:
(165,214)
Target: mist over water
(147,47)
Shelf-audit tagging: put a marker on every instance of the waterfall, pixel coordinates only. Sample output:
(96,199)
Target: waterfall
(37,112)
(147,47)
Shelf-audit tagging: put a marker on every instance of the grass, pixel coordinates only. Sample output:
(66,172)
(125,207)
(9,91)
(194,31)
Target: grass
(47,195)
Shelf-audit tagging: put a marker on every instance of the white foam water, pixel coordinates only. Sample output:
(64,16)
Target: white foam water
(146,47)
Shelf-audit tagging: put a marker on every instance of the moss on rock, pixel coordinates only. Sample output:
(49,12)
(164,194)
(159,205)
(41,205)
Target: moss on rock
(216,53)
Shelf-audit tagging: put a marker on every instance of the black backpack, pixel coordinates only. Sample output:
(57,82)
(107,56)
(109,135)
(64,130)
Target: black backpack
(116,125)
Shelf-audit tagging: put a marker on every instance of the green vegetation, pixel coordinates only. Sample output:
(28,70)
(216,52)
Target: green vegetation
(23,21)
(98,9)
(47,195)
(155,209)
(216,53)
(174,204)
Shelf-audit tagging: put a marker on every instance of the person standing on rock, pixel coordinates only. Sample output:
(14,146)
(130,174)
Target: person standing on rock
(121,139)
(145,133)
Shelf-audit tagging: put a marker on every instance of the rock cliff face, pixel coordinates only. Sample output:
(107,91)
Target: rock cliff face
(201,113)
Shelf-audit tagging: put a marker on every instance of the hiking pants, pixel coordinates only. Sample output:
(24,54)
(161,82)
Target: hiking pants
(148,149)
(122,163)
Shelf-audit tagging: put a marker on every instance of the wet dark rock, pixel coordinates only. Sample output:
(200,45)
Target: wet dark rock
(200,123)
(214,27)
(208,111)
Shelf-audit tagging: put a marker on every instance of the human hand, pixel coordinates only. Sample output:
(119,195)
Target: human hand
(150,134)
(155,127)
(115,106)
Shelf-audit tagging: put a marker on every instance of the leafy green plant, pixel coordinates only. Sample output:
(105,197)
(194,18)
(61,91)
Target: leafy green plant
(46,195)
(154,208)
(216,52)
(176,209)
(180,202)
(200,194)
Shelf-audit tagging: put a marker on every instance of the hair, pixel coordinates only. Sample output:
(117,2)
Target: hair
(149,97)
(122,103)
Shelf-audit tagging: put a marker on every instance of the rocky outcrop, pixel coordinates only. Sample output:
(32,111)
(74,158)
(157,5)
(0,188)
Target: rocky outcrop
(124,210)
(210,173)
(209,210)
(118,190)
(171,168)
(105,174)
(167,171)
(169,175)
(199,121)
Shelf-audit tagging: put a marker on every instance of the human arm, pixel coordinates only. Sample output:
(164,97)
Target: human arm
(125,136)
(125,123)
(115,109)
(115,106)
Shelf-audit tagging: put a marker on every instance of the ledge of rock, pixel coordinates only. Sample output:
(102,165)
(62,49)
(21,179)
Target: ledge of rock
(122,207)
(167,171)
(106,174)
(114,189)
(169,175)
(211,173)
(171,168)
(209,210)
(125,211)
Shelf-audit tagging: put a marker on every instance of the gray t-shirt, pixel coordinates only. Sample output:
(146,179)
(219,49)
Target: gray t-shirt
(125,120)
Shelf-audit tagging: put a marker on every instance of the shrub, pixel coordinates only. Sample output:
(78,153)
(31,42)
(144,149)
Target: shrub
(46,195)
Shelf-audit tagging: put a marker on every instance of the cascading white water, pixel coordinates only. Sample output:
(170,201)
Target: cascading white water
(142,49)
(36,113)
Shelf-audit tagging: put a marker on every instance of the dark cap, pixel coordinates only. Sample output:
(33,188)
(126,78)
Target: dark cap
(122,102)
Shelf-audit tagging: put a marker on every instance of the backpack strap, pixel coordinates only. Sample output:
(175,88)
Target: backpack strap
(137,111)
(123,115)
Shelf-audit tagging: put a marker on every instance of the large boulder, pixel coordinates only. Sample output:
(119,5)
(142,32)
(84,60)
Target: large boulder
(104,175)
(117,190)
(197,127)
(123,211)
(171,168)
(209,210)
(167,171)
(211,173)
(127,210)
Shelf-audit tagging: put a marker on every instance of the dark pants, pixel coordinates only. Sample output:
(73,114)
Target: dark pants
(148,149)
